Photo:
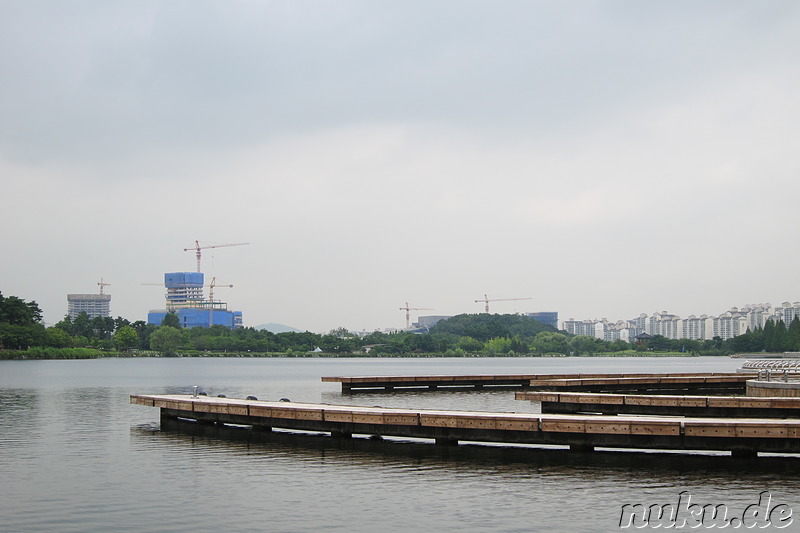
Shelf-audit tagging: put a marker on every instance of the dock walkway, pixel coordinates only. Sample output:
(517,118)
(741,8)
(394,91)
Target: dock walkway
(729,382)
(740,436)
(652,404)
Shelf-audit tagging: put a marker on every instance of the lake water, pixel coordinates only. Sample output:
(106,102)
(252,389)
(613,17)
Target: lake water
(75,456)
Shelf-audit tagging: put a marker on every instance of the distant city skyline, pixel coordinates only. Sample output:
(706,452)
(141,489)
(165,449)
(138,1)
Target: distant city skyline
(562,322)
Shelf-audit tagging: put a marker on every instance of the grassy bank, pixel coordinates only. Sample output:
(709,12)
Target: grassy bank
(91,353)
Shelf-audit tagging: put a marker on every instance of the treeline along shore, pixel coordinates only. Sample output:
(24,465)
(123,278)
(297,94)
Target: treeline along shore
(23,336)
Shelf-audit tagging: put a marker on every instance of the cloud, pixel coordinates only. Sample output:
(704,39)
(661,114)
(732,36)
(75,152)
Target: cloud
(605,158)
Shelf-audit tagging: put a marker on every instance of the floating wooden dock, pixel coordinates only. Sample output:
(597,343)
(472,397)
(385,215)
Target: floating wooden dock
(728,382)
(740,436)
(650,404)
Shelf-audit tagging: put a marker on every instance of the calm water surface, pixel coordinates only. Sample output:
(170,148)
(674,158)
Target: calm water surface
(75,456)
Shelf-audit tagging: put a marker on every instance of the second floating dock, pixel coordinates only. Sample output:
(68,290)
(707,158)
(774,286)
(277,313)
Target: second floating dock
(692,382)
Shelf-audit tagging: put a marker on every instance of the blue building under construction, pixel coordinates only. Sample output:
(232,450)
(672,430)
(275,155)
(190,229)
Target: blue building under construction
(185,298)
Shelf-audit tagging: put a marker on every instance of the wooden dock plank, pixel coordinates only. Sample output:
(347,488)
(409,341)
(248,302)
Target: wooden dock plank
(564,424)
(593,430)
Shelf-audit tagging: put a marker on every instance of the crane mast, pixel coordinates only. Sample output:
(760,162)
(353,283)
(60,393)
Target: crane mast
(486,300)
(408,314)
(102,284)
(197,248)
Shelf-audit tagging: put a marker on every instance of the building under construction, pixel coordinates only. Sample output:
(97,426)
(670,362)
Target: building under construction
(186,299)
(94,305)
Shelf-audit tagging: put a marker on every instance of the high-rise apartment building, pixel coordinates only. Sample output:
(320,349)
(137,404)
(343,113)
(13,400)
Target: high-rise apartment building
(93,305)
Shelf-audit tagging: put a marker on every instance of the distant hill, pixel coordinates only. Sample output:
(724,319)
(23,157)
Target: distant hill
(276,328)
(485,326)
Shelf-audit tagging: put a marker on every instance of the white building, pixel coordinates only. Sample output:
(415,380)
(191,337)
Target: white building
(93,305)
(697,328)
(666,325)
(730,324)
(582,327)
(786,312)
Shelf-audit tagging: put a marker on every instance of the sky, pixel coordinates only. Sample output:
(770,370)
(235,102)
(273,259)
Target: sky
(601,158)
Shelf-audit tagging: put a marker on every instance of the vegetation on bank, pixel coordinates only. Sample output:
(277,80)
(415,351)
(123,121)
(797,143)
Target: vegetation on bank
(23,336)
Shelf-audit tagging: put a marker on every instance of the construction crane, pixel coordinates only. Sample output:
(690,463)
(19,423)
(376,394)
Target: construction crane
(211,299)
(486,300)
(197,249)
(102,284)
(211,288)
(408,314)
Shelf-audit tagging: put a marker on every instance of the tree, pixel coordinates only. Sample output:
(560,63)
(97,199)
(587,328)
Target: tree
(18,312)
(119,322)
(82,326)
(793,337)
(166,340)
(102,326)
(497,346)
(619,346)
(126,338)
(171,319)
(486,326)
(20,323)
(548,342)
(469,345)
(584,345)
(57,338)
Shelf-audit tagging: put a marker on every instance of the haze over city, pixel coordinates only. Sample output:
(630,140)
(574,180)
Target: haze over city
(604,159)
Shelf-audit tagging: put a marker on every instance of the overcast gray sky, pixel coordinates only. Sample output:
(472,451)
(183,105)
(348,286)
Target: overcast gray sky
(604,158)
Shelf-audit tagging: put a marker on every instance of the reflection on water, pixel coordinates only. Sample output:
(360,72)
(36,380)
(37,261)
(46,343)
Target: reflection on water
(75,456)
(465,456)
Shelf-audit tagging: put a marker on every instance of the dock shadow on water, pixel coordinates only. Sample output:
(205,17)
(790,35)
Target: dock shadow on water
(654,466)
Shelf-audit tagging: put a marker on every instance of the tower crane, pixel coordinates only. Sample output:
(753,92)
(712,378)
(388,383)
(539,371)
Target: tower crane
(211,299)
(486,300)
(102,284)
(211,288)
(408,314)
(197,249)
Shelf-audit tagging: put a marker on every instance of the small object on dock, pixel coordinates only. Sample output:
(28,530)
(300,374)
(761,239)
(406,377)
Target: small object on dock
(285,400)
(221,396)
(251,398)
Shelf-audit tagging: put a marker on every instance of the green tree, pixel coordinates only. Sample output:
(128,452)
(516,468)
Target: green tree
(486,326)
(171,319)
(18,312)
(781,337)
(618,346)
(497,346)
(793,338)
(82,326)
(57,338)
(548,342)
(20,323)
(119,322)
(769,336)
(469,345)
(102,326)
(126,338)
(65,324)
(583,345)
(166,340)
